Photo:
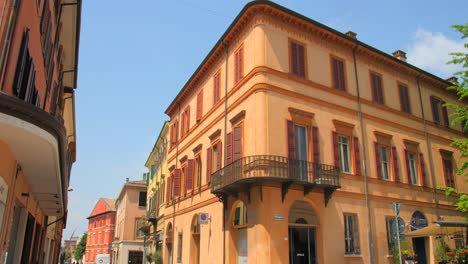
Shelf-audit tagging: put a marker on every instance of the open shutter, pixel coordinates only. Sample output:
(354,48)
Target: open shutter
(336,149)
(315,145)
(445,115)
(396,169)
(209,152)
(357,157)
(291,140)
(423,170)
(378,163)
(408,172)
(237,144)
(220,155)
(229,148)
(177,182)
(434,109)
(169,189)
(189,175)
(199,105)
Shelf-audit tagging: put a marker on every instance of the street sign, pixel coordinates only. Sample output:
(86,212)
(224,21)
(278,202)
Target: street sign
(203,218)
(401,225)
(396,208)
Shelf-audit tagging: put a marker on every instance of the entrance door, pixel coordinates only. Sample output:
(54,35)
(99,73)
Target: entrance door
(302,245)
(135,257)
(419,246)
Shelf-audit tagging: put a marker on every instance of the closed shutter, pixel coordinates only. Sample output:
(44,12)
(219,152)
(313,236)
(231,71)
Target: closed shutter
(315,146)
(378,163)
(404,100)
(291,140)
(357,157)
(408,171)
(336,149)
(423,170)
(220,154)
(294,55)
(229,148)
(338,74)
(445,114)
(209,152)
(396,170)
(435,109)
(448,173)
(187,117)
(189,175)
(177,182)
(241,63)
(216,88)
(168,189)
(237,154)
(301,61)
(199,105)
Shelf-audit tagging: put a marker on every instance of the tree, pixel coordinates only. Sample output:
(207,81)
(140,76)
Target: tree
(81,247)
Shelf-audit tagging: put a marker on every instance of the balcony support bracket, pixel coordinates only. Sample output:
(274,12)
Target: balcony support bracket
(247,193)
(260,192)
(308,189)
(285,189)
(328,192)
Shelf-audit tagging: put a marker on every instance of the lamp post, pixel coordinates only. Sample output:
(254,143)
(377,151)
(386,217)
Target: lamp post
(396,206)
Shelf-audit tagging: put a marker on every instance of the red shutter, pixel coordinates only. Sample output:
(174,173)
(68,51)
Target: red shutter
(182,124)
(187,117)
(291,140)
(176,133)
(315,146)
(208,164)
(448,173)
(341,73)
(168,190)
(237,153)
(200,105)
(434,109)
(241,63)
(357,157)
(423,170)
(445,114)
(408,172)
(220,154)
(336,81)
(378,163)
(294,65)
(301,60)
(396,170)
(177,182)
(229,148)
(189,175)
(336,149)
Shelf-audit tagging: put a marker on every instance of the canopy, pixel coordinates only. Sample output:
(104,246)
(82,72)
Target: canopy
(436,229)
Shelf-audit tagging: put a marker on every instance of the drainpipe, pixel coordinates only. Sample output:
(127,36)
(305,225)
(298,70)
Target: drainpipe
(370,244)
(428,144)
(226,47)
(6,43)
(172,186)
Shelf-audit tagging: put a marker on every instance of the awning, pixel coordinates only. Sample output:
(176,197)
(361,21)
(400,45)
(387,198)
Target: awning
(438,229)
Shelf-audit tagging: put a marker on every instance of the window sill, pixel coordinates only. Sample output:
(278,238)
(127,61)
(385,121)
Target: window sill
(353,256)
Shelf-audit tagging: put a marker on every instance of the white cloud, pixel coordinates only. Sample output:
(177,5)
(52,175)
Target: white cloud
(430,51)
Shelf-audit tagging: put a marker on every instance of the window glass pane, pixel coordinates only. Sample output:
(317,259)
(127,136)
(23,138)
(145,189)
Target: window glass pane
(413,168)
(214,164)
(344,154)
(437,112)
(301,142)
(385,163)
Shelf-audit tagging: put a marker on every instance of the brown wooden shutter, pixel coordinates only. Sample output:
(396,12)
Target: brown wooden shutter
(423,169)
(445,114)
(336,149)
(336,81)
(187,117)
(408,171)
(229,148)
(237,145)
(209,152)
(241,63)
(177,182)
(357,157)
(291,140)
(396,170)
(220,154)
(182,124)
(189,174)
(378,163)
(216,91)
(315,145)
(168,190)
(294,64)
(341,77)
(448,173)
(199,105)
(176,133)
(434,109)
(301,61)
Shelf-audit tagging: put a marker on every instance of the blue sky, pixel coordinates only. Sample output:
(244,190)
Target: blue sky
(135,57)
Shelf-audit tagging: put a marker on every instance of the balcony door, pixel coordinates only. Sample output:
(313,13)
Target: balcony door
(302,231)
(302,152)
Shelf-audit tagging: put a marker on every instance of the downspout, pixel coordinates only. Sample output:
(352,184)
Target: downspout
(7,39)
(370,244)
(428,144)
(172,185)
(225,145)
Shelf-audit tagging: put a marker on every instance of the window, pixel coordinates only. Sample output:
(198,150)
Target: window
(198,171)
(185,121)
(142,199)
(216,87)
(239,65)
(174,134)
(297,61)
(213,159)
(199,105)
(300,133)
(386,160)
(138,224)
(412,161)
(179,247)
(390,225)
(439,112)
(377,90)
(351,234)
(345,162)
(385,163)
(214,164)
(448,171)
(94,224)
(404,98)
(338,73)
(152,172)
(346,154)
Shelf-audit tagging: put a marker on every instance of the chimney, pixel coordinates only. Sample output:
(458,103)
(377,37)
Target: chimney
(127,179)
(399,54)
(453,80)
(351,34)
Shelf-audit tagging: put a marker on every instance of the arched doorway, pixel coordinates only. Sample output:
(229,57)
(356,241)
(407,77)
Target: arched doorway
(239,224)
(169,242)
(195,241)
(303,222)
(418,221)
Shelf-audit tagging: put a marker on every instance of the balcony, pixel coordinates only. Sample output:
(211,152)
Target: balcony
(239,175)
(151,215)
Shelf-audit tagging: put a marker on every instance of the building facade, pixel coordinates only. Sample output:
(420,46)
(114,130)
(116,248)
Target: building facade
(101,229)
(291,141)
(69,248)
(128,244)
(39,42)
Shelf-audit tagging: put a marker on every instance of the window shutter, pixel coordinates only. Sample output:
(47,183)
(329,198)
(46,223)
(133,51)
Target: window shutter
(237,153)
(20,65)
(448,173)
(445,115)
(216,91)
(209,152)
(378,163)
(220,154)
(176,131)
(336,149)
(357,157)
(294,62)
(341,73)
(169,189)
(189,176)
(182,124)
(356,243)
(229,148)
(423,170)
(187,118)
(408,172)
(402,97)
(241,63)
(200,105)
(301,61)
(434,109)
(291,140)
(336,81)
(315,146)
(177,182)
(396,170)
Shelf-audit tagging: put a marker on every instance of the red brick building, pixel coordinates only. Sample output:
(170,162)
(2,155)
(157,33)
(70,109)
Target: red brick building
(100,229)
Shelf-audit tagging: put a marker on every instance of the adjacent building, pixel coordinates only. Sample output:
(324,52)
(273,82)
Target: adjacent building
(101,229)
(291,140)
(69,248)
(128,244)
(39,43)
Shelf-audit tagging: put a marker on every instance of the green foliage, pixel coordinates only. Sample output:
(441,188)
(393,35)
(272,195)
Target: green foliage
(157,257)
(406,251)
(67,255)
(81,247)
(441,251)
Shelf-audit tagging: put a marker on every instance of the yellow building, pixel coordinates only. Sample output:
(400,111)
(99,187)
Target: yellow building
(291,141)
(155,181)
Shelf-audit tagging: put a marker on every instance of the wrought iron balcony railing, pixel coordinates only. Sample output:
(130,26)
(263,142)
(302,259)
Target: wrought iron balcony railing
(275,168)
